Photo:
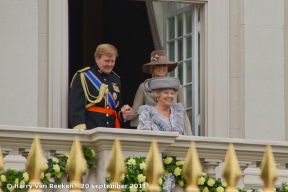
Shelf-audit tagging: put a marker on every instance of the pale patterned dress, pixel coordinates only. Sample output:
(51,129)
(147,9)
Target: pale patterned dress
(151,119)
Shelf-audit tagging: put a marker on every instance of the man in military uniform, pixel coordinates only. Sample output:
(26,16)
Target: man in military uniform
(95,95)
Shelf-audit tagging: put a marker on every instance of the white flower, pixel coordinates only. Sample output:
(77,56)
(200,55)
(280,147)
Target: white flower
(205,189)
(58,175)
(224,184)
(45,166)
(177,171)
(181,183)
(201,181)
(16,181)
(122,177)
(3,178)
(179,163)
(133,189)
(160,181)
(67,155)
(131,161)
(220,189)
(55,159)
(143,166)
(141,178)
(48,175)
(203,174)
(211,182)
(56,168)
(168,160)
(22,182)
(93,152)
(26,176)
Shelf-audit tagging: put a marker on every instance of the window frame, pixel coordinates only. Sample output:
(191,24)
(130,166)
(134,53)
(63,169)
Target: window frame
(194,57)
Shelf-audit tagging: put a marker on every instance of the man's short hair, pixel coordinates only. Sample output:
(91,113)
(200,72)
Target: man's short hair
(105,49)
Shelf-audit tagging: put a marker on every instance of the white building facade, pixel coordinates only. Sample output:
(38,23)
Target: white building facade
(242,66)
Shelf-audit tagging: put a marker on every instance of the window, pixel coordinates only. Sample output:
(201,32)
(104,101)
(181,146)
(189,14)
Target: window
(180,40)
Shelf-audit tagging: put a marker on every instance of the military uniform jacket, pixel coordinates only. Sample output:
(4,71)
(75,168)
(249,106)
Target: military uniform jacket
(78,101)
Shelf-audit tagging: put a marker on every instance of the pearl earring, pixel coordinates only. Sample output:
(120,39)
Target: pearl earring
(157,99)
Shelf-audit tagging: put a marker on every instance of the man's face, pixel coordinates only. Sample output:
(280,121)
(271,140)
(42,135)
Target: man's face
(106,63)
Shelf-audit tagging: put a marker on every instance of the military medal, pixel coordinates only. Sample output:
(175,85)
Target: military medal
(115,96)
(117,104)
(115,87)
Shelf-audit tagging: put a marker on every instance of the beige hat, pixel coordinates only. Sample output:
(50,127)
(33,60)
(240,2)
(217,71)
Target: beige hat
(159,57)
(161,83)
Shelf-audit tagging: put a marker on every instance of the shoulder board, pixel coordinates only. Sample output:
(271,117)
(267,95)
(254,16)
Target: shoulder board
(79,71)
(84,69)
(116,74)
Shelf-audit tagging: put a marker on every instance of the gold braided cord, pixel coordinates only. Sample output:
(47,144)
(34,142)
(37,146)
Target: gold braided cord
(102,91)
(116,74)
(84,80)
(73,80)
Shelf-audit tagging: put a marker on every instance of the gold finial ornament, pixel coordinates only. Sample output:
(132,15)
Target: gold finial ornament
(1,166)
(268,170)
(116,166)
(231,169)
(76,166)
(35,165)
(154,168)
(192,169)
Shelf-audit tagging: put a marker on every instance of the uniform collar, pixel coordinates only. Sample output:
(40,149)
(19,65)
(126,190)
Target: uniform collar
(97,69)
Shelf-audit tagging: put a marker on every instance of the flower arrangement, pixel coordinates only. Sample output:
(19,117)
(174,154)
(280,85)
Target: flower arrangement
(54,170)
(171,165)
(211,184)
(135,175)
(13,177)
(205,183)
(90,156)
(134,178)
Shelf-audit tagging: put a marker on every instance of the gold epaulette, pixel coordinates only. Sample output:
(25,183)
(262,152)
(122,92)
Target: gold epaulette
(79,71)
(116,74)
(84,69)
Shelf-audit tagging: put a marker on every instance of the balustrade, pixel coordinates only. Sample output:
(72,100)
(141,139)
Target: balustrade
(16,142)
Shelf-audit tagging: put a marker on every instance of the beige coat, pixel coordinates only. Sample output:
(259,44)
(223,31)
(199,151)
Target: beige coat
(142,97)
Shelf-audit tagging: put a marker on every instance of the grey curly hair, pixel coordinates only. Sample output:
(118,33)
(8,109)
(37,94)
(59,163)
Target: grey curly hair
(155,93)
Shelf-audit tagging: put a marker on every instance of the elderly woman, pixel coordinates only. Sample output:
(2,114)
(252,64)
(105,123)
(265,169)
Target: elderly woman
(166,115)
(158,67)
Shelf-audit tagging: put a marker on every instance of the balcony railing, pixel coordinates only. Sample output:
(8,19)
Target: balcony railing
(16,141)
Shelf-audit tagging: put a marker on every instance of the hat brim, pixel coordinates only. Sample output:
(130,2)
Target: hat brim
(162,83)
(171,65)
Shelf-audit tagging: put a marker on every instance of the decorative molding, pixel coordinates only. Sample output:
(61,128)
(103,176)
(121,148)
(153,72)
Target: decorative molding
(58,64)
(216,68)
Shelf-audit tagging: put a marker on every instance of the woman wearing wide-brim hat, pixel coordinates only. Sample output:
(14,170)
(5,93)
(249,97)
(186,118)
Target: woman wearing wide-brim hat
(159,66)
